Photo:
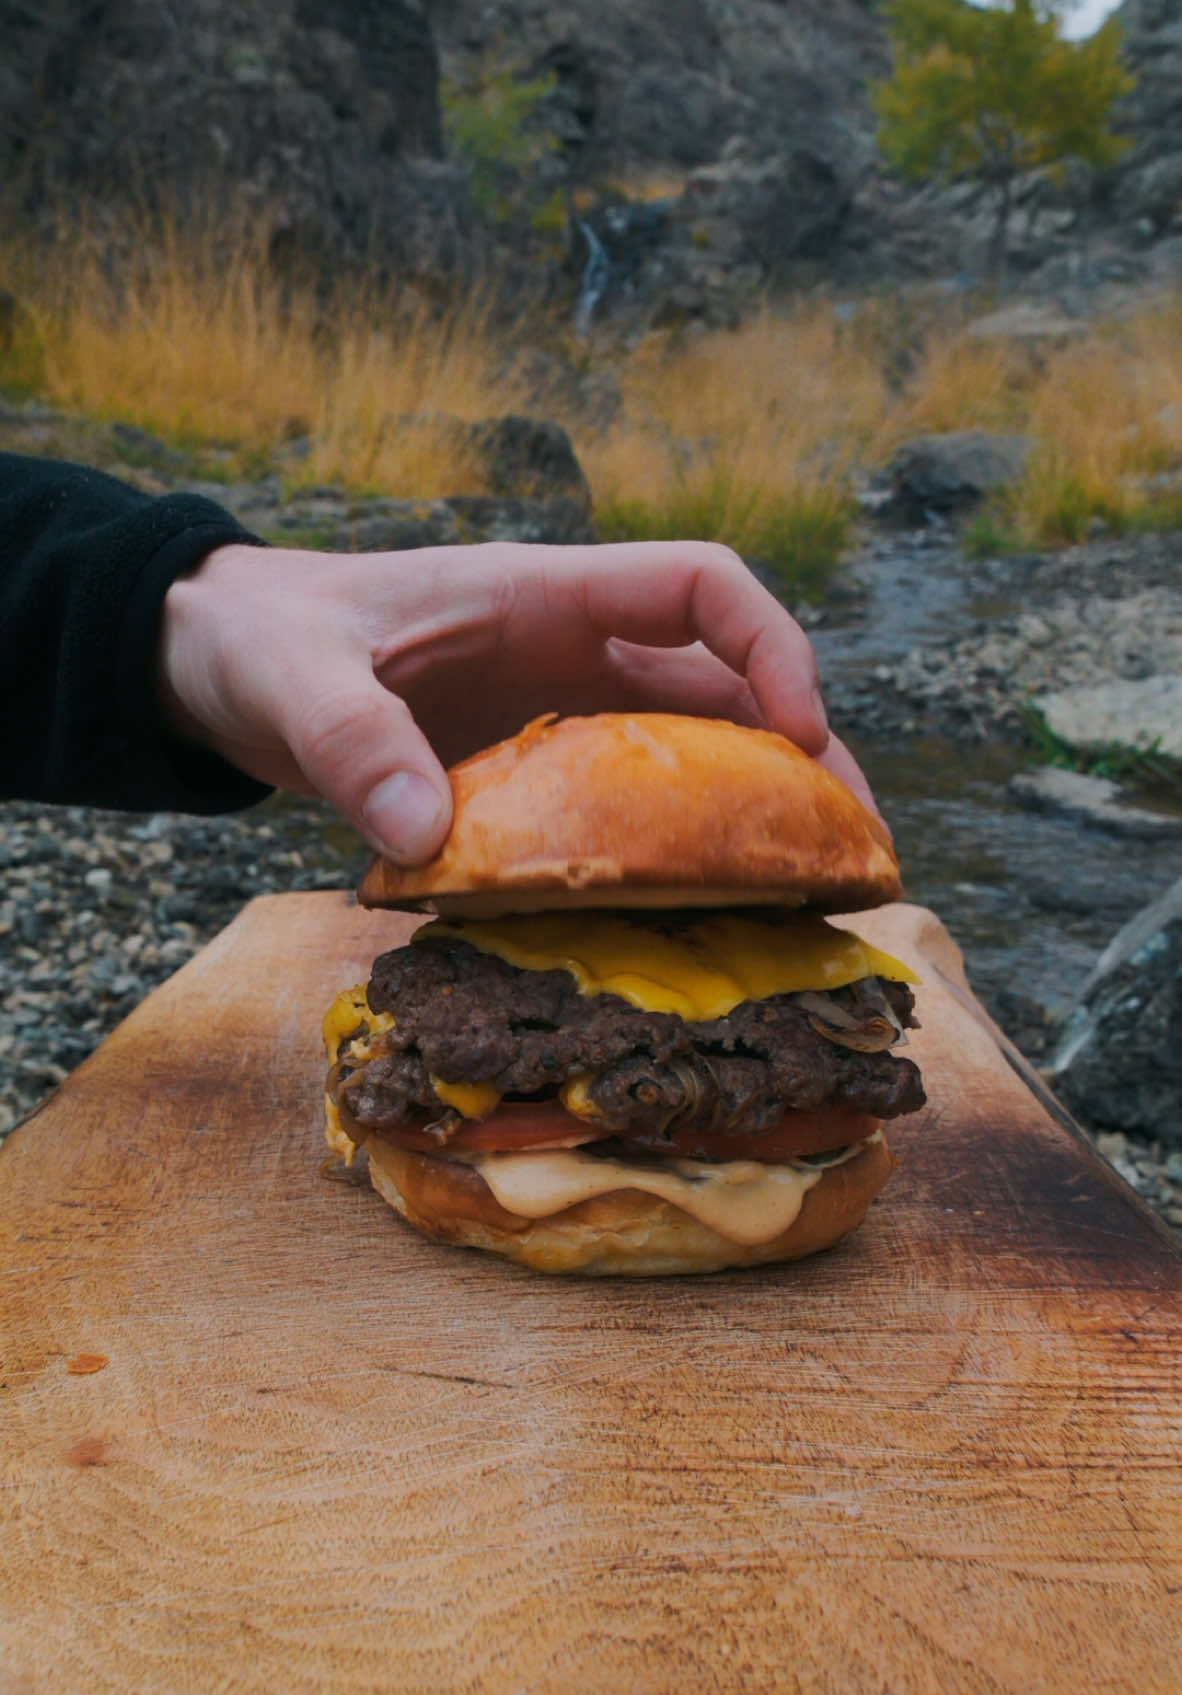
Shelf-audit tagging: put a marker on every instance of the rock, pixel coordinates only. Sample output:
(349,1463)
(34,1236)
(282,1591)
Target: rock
(395,526)
(1141,713)
(711,147)
(555,522)
(532,459)
(324,119)
(513,457)
(1028,322)
(1140,193)
(1119,1062)
(740,223)
(768,210)
(952,473)
(1094,800)
(663,85)
(399,525)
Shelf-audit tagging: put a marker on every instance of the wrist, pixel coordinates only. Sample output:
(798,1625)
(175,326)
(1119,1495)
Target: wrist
(188,643)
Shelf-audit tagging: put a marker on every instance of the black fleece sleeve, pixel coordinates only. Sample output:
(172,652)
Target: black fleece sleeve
(85,563)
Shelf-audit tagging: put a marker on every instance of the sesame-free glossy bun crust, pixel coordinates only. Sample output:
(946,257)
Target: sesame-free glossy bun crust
(649,810)
(623,1234)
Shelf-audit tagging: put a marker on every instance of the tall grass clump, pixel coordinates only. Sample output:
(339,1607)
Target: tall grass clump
(1106,417)
(208,345)
(747,437)
(751,436)
(1103,413)
(960,383)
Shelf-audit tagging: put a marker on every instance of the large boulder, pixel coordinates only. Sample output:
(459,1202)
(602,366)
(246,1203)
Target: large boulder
(530,458)
(1143,193)
(711,149)
(769,210)
(738,225)
(952,473)
(322,118)
(1119,1062)
(1143,713)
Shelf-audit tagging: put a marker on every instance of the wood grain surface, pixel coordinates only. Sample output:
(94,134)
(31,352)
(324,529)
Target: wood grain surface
(326,1455)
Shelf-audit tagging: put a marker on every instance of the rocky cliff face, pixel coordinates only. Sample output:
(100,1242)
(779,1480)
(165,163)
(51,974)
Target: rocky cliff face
(706,148)
(324,116)
(1144,193)
(672,83)
(721,144)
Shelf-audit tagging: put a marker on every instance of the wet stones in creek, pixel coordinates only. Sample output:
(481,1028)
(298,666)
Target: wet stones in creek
(1119,1061)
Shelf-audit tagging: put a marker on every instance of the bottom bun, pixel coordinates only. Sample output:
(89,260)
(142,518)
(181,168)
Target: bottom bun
(625,1233)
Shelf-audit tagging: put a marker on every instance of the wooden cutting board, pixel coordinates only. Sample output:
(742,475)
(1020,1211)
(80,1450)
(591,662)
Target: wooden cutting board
(325,1455)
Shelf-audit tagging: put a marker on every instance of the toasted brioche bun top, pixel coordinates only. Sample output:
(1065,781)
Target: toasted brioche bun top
(646,810)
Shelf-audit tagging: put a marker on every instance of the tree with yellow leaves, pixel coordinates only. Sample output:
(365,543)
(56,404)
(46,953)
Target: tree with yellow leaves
(993,92)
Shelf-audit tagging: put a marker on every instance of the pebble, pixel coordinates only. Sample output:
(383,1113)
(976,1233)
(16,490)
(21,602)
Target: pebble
(100,907)
(1135,636)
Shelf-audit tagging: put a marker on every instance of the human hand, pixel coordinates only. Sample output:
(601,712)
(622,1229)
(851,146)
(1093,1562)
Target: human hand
(359,676)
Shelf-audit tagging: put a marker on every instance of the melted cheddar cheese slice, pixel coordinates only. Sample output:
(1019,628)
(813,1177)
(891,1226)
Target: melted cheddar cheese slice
(350,1019)
(699,970)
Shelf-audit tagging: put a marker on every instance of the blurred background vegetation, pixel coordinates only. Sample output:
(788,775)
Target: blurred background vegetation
(753,403)
(758,435)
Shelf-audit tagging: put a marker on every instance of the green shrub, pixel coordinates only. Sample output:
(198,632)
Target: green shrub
(797,536)
(495,127)
(988,535)
(1146,769)
(23,346)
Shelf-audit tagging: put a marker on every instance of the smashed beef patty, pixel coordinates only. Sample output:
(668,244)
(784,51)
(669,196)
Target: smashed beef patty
(470,1017)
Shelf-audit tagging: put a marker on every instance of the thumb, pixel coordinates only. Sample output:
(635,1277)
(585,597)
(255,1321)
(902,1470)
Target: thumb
(358,745)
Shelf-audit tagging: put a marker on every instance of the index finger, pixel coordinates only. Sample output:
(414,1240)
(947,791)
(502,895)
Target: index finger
(671,594)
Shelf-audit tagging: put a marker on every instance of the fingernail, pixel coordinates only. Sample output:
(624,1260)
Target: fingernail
(403,815)
(819,708)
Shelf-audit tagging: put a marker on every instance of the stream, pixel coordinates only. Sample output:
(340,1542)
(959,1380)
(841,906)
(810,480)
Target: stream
(1031,898)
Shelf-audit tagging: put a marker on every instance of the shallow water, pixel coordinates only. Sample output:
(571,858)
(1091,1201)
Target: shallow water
(1031,898)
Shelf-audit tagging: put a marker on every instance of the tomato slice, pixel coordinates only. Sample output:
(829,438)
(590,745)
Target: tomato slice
(512,1128)
(516,1126)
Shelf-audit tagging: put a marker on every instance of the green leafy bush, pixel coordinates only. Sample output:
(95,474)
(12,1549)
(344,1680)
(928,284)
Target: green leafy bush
(798,536)
(496,129)
(992,92)
(23,346)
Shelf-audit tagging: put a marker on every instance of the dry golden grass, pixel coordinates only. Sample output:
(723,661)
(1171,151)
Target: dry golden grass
(201,353)
(1106,417)
(960,384)
(746,436)
(749,436)
(640,188)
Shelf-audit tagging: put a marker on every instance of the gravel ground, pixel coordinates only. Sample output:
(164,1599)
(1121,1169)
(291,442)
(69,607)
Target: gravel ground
(100,907)
(1110,609)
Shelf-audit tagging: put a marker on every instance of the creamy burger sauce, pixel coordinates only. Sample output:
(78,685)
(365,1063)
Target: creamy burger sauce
(741,1200)
(700,970)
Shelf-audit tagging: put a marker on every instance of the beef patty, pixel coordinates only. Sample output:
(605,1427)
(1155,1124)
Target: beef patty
(470,1017)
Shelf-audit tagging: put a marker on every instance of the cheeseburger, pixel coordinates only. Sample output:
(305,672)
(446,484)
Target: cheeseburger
(629,1041)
